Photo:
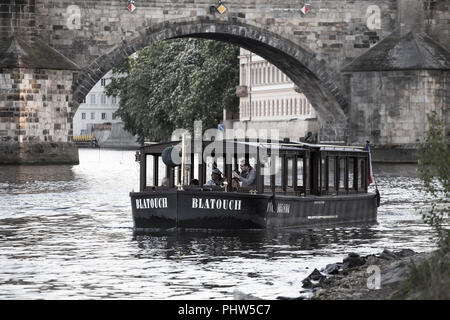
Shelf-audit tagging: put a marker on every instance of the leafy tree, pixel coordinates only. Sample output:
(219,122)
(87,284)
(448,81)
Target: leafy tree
(430,278)
(434,168)
(173,83)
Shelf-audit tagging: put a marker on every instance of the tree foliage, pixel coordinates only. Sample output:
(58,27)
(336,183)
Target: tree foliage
(173,83)
(434,168)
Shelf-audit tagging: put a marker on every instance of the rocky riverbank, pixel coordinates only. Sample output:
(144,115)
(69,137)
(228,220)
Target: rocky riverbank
(356,277)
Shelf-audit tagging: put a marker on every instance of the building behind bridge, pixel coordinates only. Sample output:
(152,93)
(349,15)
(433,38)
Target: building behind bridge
(96,117)
(269,100)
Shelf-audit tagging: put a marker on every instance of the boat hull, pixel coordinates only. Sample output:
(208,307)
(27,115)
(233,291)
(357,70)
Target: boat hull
(167,209)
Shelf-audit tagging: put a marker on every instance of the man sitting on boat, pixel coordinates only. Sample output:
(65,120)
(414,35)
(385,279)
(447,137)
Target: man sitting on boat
(247,176)
(216,178)
(235,185)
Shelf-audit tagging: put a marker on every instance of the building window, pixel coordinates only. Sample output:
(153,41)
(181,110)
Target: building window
(103,99)
(113,116)
(113,100)
(92,115)
(103,82)
(103,115)
(83,115)
(92,98)
(84,100)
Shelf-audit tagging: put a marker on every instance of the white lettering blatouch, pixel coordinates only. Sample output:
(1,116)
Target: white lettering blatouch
(219,204)
(151,203)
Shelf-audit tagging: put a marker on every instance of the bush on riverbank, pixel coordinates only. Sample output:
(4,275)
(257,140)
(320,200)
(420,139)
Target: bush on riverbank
(429,279)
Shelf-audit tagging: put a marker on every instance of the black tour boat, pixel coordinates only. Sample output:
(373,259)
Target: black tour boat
(315,185)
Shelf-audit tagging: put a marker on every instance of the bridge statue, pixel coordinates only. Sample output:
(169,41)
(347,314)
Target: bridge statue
(372,69)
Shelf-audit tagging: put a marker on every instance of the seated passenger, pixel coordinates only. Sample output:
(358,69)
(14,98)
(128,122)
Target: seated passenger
(247,176)
(216,178)
(194,182)
(235,185)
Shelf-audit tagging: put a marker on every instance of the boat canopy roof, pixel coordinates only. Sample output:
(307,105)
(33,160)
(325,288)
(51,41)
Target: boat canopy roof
(283,146)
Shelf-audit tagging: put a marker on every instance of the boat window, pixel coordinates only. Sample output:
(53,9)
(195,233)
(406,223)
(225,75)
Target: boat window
(331,172)
(289,182)
(176,176)
(341,173)
(362,174)
(266,170)
(220,163)
(161,170)
(351,178)
(273,170)
(300,172)
(193,173)
(149,172)
(278,171)
(323,173)
(209,168)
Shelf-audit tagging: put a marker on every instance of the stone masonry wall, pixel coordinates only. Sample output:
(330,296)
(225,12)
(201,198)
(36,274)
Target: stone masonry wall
(336,30)
(35,105)
(35,108)
(437,20)
(390,108)
(17,17)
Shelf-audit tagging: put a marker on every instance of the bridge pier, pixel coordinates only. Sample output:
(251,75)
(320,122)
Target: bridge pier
(394,86)
(36,105)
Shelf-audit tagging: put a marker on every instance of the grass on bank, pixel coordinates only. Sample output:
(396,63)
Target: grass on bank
(429,279)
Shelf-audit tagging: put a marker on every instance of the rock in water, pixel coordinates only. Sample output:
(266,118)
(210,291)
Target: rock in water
(405,253)
(315,279)
(307,284)
(353,260)
(388,255)
(331,269)
(316,275)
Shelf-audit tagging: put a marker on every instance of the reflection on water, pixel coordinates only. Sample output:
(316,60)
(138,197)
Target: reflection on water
(66,232)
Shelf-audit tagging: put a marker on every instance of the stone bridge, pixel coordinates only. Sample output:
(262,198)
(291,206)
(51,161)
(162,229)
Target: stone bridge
(372,69)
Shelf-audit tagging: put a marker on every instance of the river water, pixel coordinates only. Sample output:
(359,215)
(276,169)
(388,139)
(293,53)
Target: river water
(66,233)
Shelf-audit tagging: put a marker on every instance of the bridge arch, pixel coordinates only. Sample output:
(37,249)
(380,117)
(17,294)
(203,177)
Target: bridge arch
(320,84)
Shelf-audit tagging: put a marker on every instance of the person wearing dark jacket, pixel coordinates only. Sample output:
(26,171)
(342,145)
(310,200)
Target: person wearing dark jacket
(247,176)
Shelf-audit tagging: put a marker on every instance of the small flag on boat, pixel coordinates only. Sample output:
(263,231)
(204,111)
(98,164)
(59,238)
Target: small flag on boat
(369,167)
